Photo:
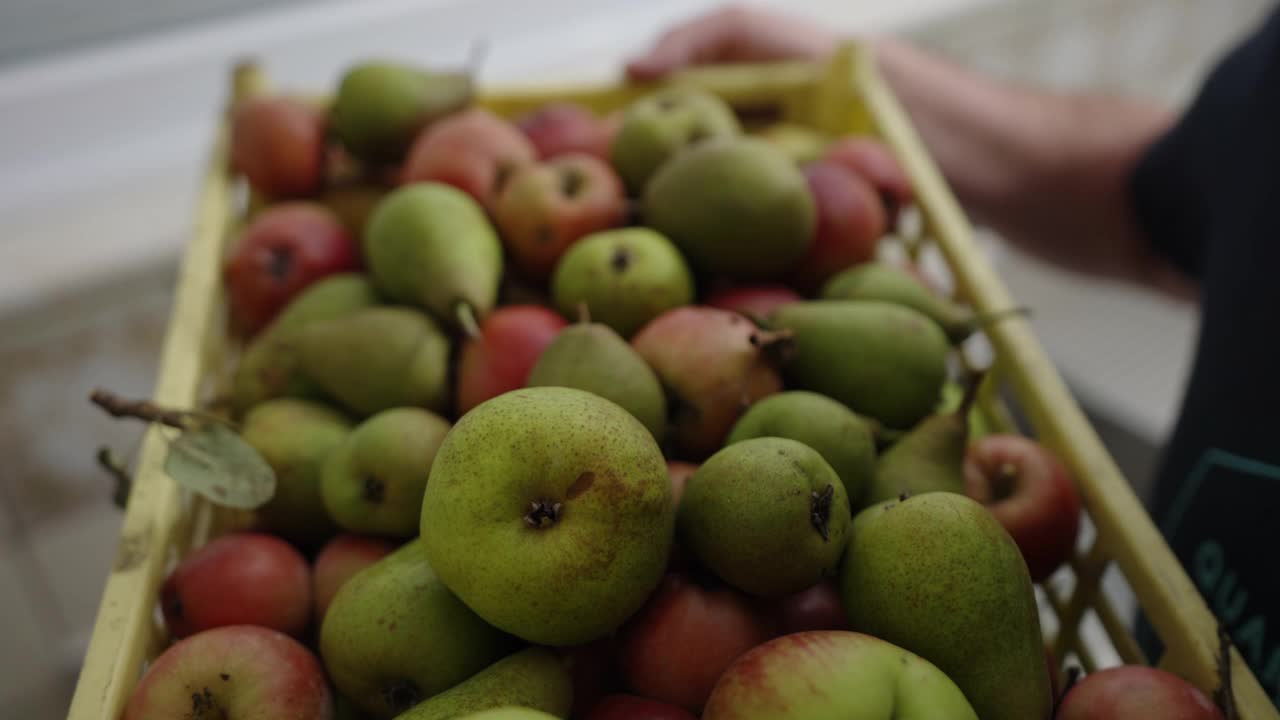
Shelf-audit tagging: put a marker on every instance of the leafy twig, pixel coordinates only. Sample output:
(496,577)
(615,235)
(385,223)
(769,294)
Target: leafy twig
(116,468)
(118,407)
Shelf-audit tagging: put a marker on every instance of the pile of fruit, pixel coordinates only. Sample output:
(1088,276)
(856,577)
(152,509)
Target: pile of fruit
(607,417)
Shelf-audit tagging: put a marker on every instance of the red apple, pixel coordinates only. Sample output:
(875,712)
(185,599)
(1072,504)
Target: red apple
(679,472)
(679,643)
(818,608)
(755,301)
(500,357)
(1029,491)
(239,671)
(630,707)
(851,221)
(285,249)
(559,128)
(279,145)
(239,579)
(593,672)
(473,150)
(875,162)
(543,209)
(1135,691)
(835,674)
(340,558)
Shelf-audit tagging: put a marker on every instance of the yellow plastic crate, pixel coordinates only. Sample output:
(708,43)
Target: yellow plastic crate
(844,95)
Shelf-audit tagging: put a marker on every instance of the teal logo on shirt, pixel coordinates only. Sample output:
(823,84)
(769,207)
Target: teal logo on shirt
(1217,527)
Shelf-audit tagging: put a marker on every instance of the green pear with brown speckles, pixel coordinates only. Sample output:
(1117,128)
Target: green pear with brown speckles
(377,358)
(549,512)
(884,361)
(625,277)
(510,713)
(373,483)
(535,679)
(843,439)
(768,515)
(269,366)
(592,357)
(295,437)
(938,575)
(394,635)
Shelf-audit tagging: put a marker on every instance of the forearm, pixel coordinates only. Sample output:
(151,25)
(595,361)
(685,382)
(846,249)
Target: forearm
(1049,172)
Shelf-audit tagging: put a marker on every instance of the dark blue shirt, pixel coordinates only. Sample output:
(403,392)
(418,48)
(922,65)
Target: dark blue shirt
(1208,196)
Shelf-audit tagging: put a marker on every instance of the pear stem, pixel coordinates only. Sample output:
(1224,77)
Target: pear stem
(971,393)
(466,317)
(776,344)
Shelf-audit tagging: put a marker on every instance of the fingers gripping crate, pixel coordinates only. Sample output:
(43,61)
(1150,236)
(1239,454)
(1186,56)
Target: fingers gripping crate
(845,95)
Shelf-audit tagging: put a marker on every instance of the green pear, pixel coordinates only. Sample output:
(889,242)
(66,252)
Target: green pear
(374,481)
(510,713)
(269,367)
(768,515)
(295,437)
(626,277)
(376,359)
(801,143)
(555,497)
(834,674)
(938,575)
(394,635)
(735,206)
(953,395)
(882,281)
(431,245)
(929,458)
(592,357)
(657,127)
(842,438)
(534,678)
(883,360)
(381,106)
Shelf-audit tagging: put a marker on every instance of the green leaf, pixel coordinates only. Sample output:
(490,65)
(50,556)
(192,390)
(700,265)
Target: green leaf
(212,460)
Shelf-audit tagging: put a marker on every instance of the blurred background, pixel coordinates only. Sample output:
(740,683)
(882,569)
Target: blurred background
(106,114)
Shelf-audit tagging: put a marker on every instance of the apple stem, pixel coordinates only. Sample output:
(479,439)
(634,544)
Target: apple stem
(466,317)
(1002,483)
(820,510)
(584,313)
(1225,696)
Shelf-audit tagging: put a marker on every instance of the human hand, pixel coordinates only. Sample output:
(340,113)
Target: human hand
(733,34)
